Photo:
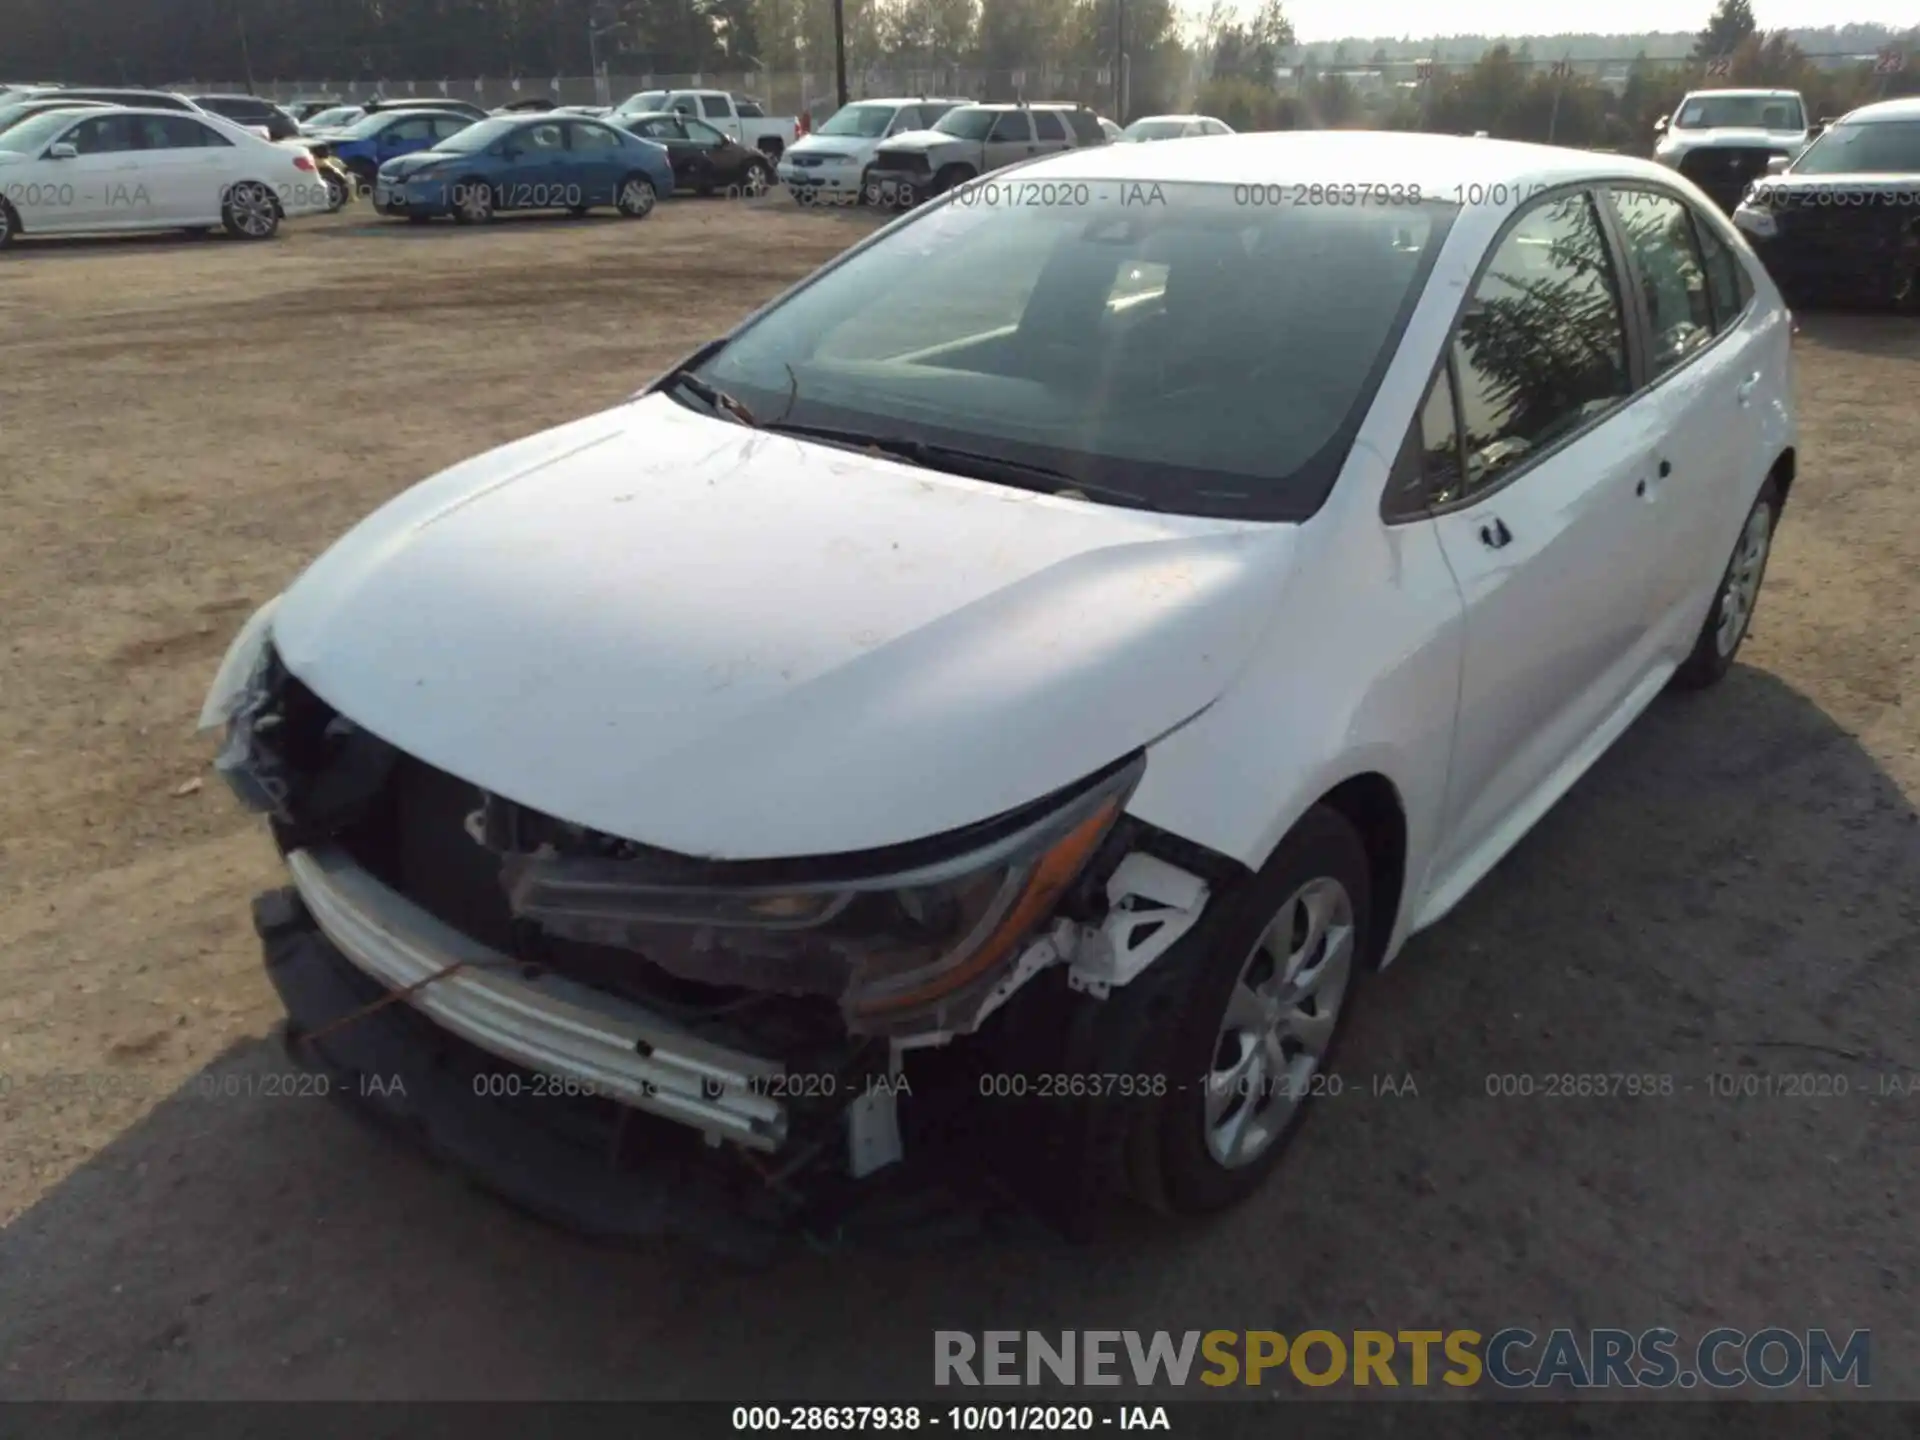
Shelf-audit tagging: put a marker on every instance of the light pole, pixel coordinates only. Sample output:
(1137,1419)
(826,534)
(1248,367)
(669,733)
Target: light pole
(594,32)
(840,52)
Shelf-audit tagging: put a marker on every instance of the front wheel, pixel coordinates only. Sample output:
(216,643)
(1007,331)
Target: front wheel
(758,179)
(250,212)
(9,224)
(1731,617)
(636,197)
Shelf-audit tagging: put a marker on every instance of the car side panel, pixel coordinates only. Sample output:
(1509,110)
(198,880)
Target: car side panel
(1362,676)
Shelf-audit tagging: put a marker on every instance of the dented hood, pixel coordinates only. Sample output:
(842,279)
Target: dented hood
(739,645)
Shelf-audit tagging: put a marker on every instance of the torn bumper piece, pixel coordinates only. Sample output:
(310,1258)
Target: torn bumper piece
(535,1018)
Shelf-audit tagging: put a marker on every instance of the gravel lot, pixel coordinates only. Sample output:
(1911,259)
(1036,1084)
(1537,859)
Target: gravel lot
(1735,889)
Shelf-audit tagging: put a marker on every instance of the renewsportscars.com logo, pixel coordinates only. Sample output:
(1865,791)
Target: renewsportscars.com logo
(1514,1358)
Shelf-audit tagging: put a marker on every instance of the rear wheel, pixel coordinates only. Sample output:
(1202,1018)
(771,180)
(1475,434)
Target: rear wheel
(9,224)
(250,212)
(1731,617)
(757,180)
(636,197)
(338,192)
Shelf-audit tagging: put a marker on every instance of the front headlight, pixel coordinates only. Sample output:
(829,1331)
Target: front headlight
(1755,221)
(916,949)
(243,660)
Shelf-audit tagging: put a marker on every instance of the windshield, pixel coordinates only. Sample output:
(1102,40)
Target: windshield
(643,102)
(37,131)
(1155,130)
(1889,147)
(479,135)
(967,124)
(1741,112)
(867,121)
(1203,356)
(369,127)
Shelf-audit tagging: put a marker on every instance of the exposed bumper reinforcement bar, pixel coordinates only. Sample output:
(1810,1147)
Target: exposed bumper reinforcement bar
(543,1022)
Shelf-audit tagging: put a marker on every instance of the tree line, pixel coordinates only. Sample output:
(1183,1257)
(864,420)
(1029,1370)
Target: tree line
(1248,69)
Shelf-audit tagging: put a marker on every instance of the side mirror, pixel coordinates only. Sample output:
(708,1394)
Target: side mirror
(63,151)
(1778,163)
(1660,125)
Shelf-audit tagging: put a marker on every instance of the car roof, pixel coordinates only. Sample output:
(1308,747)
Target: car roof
(1748,94)
(1436,163)
(1148,119)
(222,95)
(1905,108)
(909,100)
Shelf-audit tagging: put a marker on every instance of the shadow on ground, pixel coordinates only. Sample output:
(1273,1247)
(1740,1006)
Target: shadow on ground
(1734,890)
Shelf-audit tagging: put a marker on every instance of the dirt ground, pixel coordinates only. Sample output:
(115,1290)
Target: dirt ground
(183,425)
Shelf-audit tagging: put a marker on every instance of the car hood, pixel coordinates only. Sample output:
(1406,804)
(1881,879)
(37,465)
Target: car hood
(738,645)
(923,140)
(1864,182)
(402,166)
(1746,137)
(855,145)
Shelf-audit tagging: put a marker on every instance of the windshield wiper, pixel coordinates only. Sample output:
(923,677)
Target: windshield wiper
(725,404)
(970,463)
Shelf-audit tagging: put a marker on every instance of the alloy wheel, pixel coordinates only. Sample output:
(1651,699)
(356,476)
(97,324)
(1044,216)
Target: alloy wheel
(1279,1021)
(636,198)
(252,207)
(1742,589)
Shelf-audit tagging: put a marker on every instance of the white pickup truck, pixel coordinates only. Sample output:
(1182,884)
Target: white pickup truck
(739,118)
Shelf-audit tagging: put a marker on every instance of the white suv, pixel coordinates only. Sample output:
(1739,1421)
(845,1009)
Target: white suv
(1722,139)
(831,163)
(973,140)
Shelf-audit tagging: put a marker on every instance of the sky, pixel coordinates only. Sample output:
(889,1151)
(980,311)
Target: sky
(1315,20)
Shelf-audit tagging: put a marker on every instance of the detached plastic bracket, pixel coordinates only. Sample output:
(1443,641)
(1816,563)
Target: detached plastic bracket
(1151,906)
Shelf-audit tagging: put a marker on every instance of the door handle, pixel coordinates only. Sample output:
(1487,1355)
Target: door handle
(1495,535)
(1747,386)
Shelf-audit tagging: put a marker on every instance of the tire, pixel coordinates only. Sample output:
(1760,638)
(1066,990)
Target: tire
(9,224)
(250,212)
(473,202)
(949,177)
(635,197)
(1903,296)
(1174,1021)
(339,192)
(757,179)
(1731,616)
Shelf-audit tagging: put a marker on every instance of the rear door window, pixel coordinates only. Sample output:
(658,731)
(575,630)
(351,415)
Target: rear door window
(1672,276)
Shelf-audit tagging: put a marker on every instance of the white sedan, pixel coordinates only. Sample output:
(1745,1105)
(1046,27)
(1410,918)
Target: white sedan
(77,171)
(1172,127)
(1093,663)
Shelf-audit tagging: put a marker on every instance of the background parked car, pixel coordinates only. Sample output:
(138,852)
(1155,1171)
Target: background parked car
(736,117)
(144,99)
(974,140)
(425,102)
(306,107)
(1722,140)
(122,169)
(830,163)
(532,105)
(334,117)
(1111,130)
(364,147)
(703,159)
(526,163)
(252,112)
(1173,127)
(1841,221)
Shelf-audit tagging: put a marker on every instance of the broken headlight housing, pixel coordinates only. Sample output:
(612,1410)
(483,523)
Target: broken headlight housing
(905,950)
(238,667)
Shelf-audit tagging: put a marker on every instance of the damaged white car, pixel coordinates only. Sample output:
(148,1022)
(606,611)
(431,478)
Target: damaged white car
(1032,670)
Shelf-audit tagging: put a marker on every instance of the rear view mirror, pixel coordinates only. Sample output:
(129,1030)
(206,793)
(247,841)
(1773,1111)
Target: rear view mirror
(62,151)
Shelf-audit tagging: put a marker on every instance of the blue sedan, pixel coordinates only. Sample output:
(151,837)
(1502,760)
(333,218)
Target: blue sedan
(518,162)
(367,144)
